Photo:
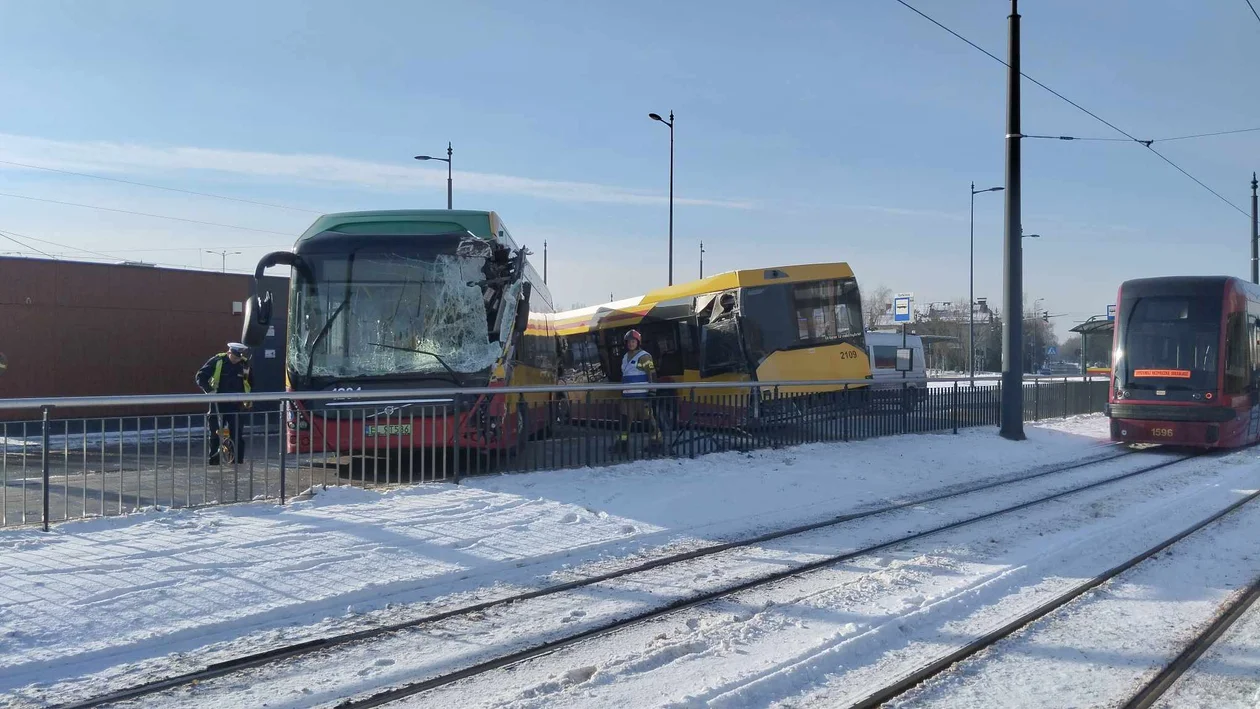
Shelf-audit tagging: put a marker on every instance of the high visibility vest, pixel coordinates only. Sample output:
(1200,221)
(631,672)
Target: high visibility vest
(218,374)
(631,374)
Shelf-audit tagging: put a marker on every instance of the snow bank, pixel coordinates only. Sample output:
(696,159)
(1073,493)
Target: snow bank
(92,595)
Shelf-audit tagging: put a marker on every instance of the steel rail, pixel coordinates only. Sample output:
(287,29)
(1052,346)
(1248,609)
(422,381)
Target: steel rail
(1152,691)
(410,689)
(990,639)
(274,655)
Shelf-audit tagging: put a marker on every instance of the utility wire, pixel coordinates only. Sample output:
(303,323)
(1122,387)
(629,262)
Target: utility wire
(28,247)
(199,248)
(1086,111)
(1207,135)
(1072,137)
(53,243)
(1253,9)
(156,187)
(1144,142)
(143,214)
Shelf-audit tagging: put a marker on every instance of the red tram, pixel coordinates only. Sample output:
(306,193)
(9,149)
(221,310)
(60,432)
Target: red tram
(1185,363)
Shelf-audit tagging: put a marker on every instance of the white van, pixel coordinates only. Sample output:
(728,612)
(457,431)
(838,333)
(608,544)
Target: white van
(882,347)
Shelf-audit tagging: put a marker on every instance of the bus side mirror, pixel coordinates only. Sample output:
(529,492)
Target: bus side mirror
(905,359)
(257,320)
(258,308)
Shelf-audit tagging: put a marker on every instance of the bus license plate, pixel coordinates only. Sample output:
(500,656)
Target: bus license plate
(1162,432)
(403,429)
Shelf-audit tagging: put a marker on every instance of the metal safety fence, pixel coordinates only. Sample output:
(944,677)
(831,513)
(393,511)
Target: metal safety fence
(57,467)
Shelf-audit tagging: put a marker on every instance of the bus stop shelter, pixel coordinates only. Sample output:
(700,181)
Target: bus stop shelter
(1098,325)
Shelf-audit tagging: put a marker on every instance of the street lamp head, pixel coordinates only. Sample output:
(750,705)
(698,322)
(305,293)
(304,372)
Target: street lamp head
(656,117)
(423,157)
(1031,236)
(995,189)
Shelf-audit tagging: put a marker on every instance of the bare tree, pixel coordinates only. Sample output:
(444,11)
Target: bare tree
(876,304)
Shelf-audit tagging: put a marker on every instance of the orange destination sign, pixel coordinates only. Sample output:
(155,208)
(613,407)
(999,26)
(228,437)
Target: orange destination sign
(1169,373)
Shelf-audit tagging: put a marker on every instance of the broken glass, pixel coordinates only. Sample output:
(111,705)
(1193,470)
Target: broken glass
(403,313)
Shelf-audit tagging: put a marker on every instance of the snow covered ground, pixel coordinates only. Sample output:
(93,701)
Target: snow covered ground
(1227,676)
(105,603)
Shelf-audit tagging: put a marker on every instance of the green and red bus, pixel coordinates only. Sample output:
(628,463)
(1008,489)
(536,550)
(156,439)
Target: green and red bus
(408,299)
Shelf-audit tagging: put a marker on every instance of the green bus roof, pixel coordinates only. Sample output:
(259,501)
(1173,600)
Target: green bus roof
(418,222)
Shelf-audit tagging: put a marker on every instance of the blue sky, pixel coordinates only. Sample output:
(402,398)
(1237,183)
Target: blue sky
(819,131)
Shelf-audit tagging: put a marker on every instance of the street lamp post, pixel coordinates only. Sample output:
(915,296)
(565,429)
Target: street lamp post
(1036,330)
(224,255)
(702,259)
(446,160)
(971,294)
(670,123)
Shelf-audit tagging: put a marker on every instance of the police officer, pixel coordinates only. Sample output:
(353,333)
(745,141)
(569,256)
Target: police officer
(637,367)
(227,373)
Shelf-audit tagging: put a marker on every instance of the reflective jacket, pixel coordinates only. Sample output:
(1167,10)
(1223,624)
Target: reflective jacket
(635,369)
(219,376)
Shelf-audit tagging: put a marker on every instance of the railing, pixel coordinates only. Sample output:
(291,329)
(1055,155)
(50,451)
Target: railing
(56,467)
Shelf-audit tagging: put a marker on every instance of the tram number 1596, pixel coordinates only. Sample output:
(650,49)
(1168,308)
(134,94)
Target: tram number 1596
(1162,432)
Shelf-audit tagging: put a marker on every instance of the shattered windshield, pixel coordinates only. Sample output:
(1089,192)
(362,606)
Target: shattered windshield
(390,311)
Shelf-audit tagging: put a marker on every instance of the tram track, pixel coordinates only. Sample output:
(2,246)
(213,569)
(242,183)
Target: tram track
(1154,690)
(507,660)
(1150,693)
(309,647)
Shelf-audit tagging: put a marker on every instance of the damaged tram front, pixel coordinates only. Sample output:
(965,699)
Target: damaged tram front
(424,299)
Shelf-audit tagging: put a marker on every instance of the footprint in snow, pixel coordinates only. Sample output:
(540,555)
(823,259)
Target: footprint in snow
(581,674)
(383,662)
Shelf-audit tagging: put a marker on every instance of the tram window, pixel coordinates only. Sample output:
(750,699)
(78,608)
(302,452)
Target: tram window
(1237,366)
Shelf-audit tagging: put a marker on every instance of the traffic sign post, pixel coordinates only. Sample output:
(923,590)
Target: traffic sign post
(1111,311)
(903,311)
(1052,351)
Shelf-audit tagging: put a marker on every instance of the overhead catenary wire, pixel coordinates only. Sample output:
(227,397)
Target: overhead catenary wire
(157,187)
(143,214)
(199,248)
(1143,142)
(1253,10)
(1207,135)
(28,247)
(54,243)
(1086,111)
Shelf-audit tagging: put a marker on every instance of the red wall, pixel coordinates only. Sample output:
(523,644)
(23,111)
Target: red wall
(84,329)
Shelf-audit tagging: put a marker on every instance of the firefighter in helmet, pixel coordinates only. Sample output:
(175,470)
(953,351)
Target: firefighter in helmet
(637,367)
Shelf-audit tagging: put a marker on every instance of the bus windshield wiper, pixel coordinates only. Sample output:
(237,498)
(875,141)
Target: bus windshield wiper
(454,375)
(310,359)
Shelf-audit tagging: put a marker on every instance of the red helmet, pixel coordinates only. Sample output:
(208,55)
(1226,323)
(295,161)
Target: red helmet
(632,334)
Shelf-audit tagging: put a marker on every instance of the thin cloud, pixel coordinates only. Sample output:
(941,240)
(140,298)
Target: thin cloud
(130,158)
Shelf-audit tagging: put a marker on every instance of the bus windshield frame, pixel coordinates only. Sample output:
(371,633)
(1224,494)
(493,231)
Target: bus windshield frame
(391,308)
